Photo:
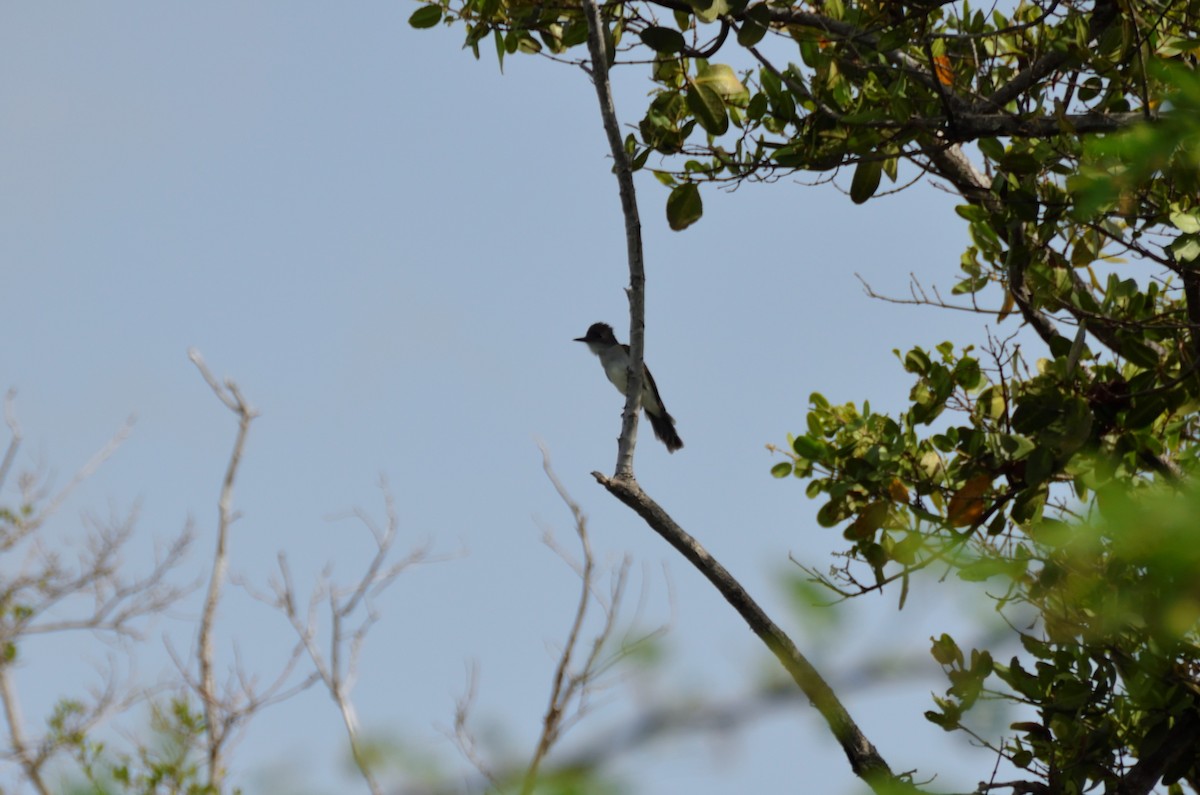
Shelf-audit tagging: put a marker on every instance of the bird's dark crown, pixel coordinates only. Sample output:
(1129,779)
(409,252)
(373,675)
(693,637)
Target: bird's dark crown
(598,332)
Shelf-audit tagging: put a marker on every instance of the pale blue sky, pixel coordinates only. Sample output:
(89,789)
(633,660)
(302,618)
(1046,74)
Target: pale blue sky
(390,246)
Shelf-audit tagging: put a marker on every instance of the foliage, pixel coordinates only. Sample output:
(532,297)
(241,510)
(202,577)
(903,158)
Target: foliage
(1063,499)
(1058,461)
(170,761)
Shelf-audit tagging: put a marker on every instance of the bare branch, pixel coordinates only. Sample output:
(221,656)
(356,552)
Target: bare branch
(32,494)
(633,238)
(31,763)
(864,759)
(216,725)
(116,602)
(351,613)
(921,297)
(564,686)
(14,441)
(463,736)
(44,594)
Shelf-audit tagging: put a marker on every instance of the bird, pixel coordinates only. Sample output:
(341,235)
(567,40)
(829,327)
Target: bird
(614,358)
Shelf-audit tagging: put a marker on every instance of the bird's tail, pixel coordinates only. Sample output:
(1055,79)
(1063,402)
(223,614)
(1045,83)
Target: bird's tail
(664,428)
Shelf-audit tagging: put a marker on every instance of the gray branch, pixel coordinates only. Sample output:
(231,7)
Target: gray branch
(864,759)
(598,49)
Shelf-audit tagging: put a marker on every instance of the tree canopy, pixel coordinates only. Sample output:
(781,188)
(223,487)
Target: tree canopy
(1057,462)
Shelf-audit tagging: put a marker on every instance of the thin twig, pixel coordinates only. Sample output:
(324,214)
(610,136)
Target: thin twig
(561,691)
(56,501)
(337,668)
(463,736)
(14,441)
(217,730)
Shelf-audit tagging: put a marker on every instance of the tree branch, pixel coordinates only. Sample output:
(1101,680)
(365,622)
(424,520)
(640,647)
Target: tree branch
(597,48)
(352,613)
(1017,262)
(1181,740)
(864,759)
(30,762)
(568,685)
(969,126)
(14,440)
(217,730)
(1191,295)
(1103,14)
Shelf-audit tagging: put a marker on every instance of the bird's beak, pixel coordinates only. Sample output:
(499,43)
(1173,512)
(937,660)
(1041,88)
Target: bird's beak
(580,339)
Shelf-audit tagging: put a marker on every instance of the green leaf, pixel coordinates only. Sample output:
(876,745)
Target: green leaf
(684,206)
(991,148)
(708,108)
(1137,352)
(721,79)
(1035,412)
(984,569)
(662,39)
(865,181)
(668,71)
(1145,410)
(916,361)
(1188,223)
(946,651)
(1186,248)
(781,470)
(891,167)
(709,10)
(1039,466)
(808,448)
(829,514)
(991,403)
(529,45)
(757,107)
(1016,445)
(574,34)
(754,25)
(971,212)
(967,373)
(426,17)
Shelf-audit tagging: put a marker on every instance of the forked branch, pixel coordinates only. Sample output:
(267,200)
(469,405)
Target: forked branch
(571,682)
(352,613)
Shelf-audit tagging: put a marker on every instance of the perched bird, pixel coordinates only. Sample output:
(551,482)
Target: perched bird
(614,357)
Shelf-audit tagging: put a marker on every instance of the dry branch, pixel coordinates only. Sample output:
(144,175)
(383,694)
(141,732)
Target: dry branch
(218,725)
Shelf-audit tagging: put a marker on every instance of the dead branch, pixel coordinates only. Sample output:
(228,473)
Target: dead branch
(217,727)
(14,436)
(570,687)
(352,613)
(44,594)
